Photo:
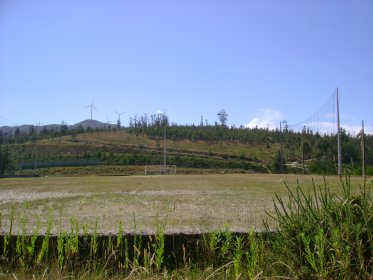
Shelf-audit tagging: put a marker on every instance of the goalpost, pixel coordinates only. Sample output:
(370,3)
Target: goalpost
(160,169)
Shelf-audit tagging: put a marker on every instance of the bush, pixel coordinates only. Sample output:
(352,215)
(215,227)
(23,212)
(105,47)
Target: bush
(325,236)
(322,166)
(369,170)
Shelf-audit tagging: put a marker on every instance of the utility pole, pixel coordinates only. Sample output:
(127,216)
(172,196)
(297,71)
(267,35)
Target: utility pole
(362,150)
(339,143)
(164,149)
(164,122)
(36,149)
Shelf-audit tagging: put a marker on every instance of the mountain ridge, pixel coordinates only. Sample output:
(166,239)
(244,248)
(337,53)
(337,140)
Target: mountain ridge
(26,128)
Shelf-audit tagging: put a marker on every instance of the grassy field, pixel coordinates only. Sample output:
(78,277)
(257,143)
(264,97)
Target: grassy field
(180,203)
(320,236)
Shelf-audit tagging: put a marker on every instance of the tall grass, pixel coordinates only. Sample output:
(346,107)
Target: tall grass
(72,251)
(320,235)
(324,235)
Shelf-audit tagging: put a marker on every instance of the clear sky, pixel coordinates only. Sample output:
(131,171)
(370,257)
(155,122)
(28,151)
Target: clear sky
(262,61)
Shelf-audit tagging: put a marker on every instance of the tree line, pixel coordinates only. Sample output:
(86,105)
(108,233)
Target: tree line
(317,151)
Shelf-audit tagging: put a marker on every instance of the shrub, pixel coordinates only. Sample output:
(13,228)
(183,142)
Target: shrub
(324,235)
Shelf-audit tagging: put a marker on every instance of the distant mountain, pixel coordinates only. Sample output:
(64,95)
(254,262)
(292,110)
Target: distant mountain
(10,130)
(93,124)
(90,124)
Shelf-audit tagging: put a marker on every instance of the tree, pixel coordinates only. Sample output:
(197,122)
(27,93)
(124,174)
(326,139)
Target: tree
(5,163)
(286,126)
(17,133)
(307,149)
(278,164)
(63,128)
(223,117)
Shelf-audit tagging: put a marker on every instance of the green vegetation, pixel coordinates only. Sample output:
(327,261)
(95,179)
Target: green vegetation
(204,147)
(320,235)
(326,236)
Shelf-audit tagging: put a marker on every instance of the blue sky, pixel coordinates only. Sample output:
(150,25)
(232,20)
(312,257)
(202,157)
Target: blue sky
(262,61)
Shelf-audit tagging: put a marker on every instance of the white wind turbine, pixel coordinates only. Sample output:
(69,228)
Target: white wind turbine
(119,114)
(92,107)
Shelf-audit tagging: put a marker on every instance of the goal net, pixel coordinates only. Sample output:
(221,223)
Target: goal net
(160,169)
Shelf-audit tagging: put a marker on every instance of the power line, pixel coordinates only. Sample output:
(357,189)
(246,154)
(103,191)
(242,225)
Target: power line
(9,121)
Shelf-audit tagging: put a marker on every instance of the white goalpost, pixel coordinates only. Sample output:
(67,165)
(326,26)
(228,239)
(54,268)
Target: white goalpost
(160,169)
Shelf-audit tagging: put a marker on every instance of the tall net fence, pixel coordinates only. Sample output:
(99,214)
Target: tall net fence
(323,121)
(301,151)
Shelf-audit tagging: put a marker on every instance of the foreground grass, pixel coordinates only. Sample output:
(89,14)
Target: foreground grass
(320,234)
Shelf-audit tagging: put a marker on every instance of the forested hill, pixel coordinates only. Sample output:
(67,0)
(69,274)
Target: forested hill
(207,147)
(318,152)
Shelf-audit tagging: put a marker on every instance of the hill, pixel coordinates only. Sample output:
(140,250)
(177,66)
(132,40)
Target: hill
(90,147)
(93,124)
(26,129)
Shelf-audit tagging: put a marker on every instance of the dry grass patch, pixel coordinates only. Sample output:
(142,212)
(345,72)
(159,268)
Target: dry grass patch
(182,203)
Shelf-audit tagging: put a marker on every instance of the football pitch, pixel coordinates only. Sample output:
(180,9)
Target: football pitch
(140,204)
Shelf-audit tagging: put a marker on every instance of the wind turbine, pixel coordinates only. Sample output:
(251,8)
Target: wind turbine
(119,114)
(92,107)
(108,122)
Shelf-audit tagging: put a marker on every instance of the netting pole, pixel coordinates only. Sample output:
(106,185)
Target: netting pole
(302,140)
(281,151)
(339,139)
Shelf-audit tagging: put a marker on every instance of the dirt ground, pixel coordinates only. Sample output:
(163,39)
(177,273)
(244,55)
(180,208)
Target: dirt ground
(179,203)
